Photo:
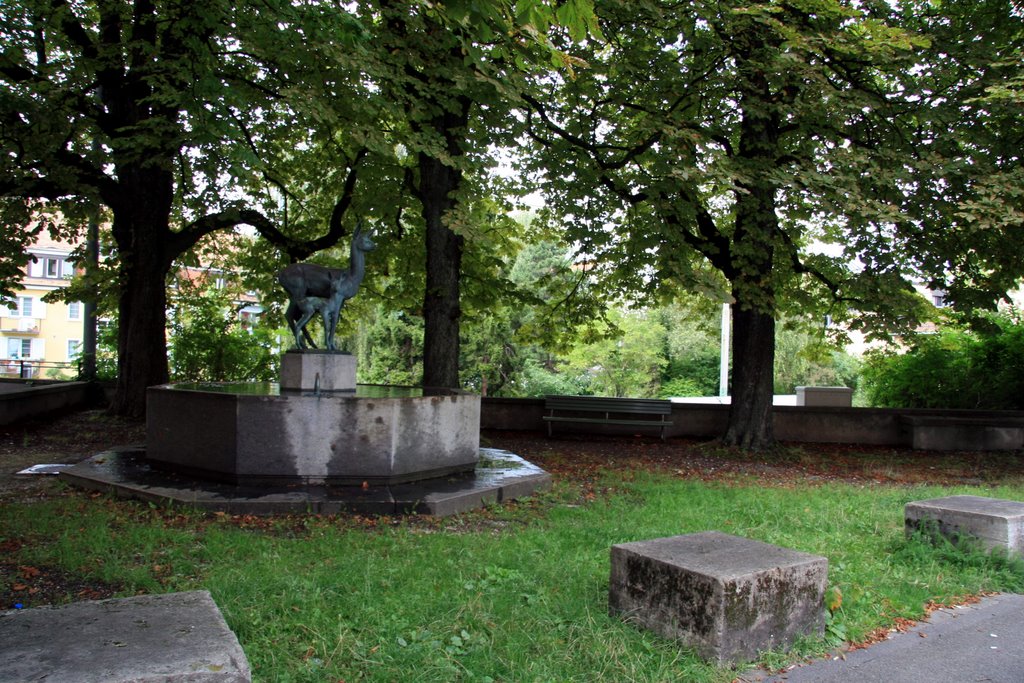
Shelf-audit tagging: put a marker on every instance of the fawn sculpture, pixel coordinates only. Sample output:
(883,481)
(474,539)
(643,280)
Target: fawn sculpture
(312,288)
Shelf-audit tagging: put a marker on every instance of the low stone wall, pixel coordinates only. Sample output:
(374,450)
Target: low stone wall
(957,433)
(20,400)
(810,424)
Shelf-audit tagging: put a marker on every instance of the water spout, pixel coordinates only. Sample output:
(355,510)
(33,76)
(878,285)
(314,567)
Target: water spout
(316,385)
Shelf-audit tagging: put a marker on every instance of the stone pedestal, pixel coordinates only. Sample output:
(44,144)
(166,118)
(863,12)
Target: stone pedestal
(318,370)
(726,597)
(993,522)
(839,397)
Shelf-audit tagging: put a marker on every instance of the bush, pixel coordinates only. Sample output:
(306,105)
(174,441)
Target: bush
(953,369)
(209,344)
(538,380)
(683,386)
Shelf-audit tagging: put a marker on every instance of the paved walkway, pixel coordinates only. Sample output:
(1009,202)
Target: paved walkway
(980,642)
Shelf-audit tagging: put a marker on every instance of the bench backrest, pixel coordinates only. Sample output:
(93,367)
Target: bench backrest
(605,404)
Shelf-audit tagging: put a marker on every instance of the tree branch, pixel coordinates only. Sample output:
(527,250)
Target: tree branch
(73,29)
(592,149)
(295,249)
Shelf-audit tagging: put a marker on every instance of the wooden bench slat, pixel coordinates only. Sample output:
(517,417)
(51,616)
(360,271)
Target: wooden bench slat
(608,404)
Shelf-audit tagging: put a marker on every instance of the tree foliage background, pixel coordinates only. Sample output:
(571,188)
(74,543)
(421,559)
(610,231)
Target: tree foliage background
(796,158)
(955,367)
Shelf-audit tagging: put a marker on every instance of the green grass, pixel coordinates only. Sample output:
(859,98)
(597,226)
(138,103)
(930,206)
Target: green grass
(508,594)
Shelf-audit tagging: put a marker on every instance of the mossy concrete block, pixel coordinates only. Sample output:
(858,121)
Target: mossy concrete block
(726,597)
(993,522)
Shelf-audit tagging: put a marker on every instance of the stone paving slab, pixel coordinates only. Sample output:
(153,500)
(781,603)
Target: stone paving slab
(171,638)
(501,476)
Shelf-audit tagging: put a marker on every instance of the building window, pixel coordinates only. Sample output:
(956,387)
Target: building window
(74,348)
(52,267)
(19,348)
(74,310)
(24,307)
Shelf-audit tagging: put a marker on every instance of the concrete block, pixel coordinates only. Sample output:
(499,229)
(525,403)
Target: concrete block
(173,638)
(995,523)
(841,397)
(323,370)
(726,597)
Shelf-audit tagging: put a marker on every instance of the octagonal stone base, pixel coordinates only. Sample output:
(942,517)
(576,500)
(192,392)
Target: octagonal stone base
(252,434)
(499,477)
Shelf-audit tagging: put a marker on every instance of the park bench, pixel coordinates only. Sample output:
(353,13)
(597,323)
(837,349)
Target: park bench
(606,410)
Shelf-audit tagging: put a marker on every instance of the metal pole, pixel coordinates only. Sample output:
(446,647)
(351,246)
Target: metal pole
(723,372)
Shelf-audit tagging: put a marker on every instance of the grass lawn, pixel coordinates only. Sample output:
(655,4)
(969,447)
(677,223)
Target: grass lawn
(518,592)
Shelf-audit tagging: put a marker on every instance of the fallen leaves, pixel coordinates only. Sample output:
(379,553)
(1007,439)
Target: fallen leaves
(583,459)
(31,586)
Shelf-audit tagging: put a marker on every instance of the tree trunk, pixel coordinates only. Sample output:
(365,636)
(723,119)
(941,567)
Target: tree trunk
(753,356)
(753,250)
(141,230)
(141,341)
(441,308)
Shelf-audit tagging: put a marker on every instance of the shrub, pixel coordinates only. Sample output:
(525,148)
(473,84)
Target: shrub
(953,369)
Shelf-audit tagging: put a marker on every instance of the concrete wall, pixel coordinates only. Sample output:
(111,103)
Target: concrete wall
(20,401)
(812,424)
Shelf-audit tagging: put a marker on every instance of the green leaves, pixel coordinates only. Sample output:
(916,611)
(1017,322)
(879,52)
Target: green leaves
(953,369)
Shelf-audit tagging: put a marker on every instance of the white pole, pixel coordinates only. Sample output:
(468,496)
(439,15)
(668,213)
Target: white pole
(723,373)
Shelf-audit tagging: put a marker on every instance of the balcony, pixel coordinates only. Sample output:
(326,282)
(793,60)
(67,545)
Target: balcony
(19,326)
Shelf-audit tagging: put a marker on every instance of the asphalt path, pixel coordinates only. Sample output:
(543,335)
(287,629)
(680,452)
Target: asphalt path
(967,644)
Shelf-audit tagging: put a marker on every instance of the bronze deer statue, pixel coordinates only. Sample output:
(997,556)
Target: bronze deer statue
(312,288)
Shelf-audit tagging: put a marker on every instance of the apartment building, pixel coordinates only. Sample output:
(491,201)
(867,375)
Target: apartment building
(41,339)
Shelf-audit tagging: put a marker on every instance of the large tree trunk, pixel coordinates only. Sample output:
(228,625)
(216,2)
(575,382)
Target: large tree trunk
(752,263)
(141,230)
(753,356)
(441,308)
(141,342)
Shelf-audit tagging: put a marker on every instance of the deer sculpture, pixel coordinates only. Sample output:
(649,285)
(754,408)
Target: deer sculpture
(327,307)
(312,288)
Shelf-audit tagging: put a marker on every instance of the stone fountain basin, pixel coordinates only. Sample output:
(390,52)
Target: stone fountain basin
(252,433)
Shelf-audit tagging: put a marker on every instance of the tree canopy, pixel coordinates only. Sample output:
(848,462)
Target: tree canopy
(146,108)
(181,120)
(784,156)
(797,158)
